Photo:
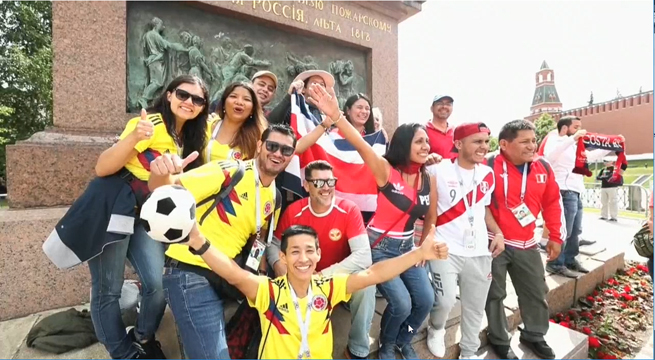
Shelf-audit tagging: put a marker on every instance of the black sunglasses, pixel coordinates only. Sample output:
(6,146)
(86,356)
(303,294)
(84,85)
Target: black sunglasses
(184,95)
(319,183)
(273,147)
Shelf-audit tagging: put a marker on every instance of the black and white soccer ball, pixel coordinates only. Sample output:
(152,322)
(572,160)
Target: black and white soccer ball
(169,213)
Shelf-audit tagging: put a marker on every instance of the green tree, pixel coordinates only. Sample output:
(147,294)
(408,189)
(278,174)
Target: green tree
(25,71)
(544,125)
(493,143)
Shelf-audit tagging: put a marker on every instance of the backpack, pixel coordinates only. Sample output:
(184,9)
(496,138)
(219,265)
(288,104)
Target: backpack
(643,242)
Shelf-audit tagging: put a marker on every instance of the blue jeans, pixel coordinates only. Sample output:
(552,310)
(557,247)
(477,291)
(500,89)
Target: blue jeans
(362,309)
(401,315)
(107,275)
(573,217)
(198,313)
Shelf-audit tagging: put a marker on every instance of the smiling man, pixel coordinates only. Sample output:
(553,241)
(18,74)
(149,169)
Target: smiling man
(195,294)
(344,243)
(465,187)
(439,131)
(265,84)
(295,309)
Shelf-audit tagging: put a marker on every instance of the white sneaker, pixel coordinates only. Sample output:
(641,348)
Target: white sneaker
(436,341)
(469,357)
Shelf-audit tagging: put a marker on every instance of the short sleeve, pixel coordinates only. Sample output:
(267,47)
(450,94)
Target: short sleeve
(432,170)
(490,192)
(355,225)
(142,145)
(339,293)
(207,179)
(263,299)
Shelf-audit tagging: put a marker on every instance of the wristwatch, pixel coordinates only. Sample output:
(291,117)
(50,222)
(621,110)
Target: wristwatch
(202,249)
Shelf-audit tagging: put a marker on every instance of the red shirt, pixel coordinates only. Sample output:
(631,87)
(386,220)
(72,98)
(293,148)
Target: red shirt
(541,195)
(441,143)
(335,228)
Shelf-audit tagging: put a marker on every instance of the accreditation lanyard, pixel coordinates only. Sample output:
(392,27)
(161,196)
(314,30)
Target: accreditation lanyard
(258,208)
(214,133)
(524,181)
(469,207)
(303,325)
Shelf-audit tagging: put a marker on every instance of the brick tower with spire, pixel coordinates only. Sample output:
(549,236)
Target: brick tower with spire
(545,99)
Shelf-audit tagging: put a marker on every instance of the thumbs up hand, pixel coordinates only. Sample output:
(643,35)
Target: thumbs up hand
(171,164)
(144,128)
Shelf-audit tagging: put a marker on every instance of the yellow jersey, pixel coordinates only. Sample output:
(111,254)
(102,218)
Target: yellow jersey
(159,143)
(217,151)
(233,221)
(279,319)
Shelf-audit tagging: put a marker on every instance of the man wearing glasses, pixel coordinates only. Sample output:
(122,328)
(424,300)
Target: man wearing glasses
(344,243)
(195,294)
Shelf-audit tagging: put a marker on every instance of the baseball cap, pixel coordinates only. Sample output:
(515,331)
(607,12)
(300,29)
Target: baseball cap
(440,96)
(468,129)
(267,74)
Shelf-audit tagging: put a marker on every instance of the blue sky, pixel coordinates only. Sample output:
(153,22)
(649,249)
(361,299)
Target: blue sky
(486,53)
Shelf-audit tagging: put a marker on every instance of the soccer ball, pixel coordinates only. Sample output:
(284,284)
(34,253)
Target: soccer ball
(168,214)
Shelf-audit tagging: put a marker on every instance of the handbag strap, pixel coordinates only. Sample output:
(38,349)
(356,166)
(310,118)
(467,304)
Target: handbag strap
(226,189)
(377,241)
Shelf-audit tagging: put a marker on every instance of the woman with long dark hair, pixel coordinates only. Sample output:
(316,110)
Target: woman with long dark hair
(357,111)
(237,126)
(406,193)
(176,123)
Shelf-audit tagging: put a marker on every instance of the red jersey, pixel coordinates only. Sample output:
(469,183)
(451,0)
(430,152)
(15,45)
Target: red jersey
(441,143)
(399,205)
(334,228)
(541,195)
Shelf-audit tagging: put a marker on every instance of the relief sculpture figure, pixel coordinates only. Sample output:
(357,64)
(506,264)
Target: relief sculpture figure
(344,74)
(199,67)
(219,58)
(157,59)
(299,66)
(242,66)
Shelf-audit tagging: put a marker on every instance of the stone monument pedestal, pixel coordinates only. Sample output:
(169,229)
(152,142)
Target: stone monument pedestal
(91,81)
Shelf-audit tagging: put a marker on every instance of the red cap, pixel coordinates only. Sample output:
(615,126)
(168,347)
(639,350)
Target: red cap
(469,129)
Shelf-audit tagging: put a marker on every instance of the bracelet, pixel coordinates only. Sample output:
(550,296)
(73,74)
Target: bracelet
(203,249)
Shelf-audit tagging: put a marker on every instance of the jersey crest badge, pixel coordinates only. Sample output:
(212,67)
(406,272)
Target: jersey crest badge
(335,234)
(319,302)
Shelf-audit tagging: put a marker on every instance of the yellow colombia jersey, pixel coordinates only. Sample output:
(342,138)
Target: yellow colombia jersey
(159,143)
(217,151)
(284,337)
(233,221)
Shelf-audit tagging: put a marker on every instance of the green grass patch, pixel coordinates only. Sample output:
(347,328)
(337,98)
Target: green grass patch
(622,213)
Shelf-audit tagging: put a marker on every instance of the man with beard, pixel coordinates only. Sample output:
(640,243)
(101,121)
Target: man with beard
(439,131)
(526,186)
(465,187)
(343,241)
(195,294)
(560,151)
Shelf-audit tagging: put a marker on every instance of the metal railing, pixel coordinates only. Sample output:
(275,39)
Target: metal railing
(630,197)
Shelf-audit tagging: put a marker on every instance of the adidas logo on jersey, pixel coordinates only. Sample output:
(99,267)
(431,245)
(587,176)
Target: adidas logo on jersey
(244,196)
(283,308)
(398,188)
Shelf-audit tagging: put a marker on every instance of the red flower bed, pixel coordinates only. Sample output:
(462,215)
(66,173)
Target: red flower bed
(614,314)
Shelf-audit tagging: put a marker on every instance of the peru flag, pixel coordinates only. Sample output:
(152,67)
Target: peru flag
(356,181)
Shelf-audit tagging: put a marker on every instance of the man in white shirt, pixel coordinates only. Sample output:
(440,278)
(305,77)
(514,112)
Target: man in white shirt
(560,151)
(465,187)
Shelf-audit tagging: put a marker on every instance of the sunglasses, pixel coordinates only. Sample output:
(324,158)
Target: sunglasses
(319,183)
(183,96)
(273,147)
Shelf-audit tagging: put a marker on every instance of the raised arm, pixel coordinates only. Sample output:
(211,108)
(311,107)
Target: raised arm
(135,138)
(388,269)
(326,101)
(226,268)
(310,139)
